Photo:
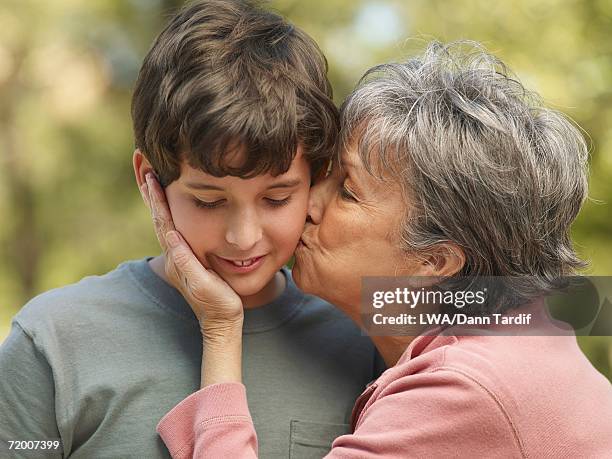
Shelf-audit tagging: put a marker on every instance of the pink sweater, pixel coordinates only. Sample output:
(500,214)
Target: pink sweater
(467,396)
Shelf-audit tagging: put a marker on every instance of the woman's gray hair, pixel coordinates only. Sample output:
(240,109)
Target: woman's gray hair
(481,161)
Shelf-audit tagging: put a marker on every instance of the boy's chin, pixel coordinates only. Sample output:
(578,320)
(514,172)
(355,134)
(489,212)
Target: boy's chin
(249,285)
(247,291)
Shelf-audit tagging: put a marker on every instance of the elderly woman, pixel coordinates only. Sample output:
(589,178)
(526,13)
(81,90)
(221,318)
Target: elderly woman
(447,167)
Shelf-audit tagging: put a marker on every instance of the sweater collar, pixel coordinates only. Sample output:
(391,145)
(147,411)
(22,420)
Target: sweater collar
(263,318)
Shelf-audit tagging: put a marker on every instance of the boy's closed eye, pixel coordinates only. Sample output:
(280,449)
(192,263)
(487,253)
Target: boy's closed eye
(208,204)
(272,202)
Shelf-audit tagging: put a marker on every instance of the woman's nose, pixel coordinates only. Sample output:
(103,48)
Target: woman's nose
(319,197)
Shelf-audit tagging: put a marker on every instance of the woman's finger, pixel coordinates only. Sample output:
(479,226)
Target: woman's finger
(190,273)
(207,293)
(160,212)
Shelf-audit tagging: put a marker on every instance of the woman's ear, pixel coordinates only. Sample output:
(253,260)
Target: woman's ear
(142,166)
(444,260)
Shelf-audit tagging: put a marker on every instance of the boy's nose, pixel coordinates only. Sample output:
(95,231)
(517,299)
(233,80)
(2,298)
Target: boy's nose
(244,233)
(320,194)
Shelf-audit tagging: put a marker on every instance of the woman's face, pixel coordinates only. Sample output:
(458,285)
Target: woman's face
(353,231)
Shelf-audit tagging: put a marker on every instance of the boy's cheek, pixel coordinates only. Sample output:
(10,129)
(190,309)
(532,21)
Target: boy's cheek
(185,214)
(199,241)
(289,228)
(189,222)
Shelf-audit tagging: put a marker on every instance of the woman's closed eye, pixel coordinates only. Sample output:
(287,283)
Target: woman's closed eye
(345,193)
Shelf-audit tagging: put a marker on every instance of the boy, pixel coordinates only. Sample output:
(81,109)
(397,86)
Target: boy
(232,112)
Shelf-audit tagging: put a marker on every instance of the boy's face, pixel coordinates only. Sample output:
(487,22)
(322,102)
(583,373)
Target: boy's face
(243,229)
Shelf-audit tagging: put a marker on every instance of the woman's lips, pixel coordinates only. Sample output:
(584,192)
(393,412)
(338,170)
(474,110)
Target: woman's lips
(306,233)
(245,265)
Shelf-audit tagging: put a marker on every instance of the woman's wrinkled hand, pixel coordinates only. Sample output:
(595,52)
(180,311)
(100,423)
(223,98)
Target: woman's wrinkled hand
(217,307)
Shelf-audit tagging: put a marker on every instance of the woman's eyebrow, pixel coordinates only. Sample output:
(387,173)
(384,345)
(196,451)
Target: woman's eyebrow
(353,185)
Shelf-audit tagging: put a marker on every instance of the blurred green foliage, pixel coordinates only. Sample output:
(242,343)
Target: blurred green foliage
(69,206)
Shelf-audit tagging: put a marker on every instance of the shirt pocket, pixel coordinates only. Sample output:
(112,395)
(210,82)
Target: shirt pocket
(313,440)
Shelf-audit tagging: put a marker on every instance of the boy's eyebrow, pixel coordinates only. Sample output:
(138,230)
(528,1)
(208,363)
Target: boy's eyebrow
(204,186)
(286,184)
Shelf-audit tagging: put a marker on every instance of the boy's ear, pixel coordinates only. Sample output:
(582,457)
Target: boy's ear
(141,167)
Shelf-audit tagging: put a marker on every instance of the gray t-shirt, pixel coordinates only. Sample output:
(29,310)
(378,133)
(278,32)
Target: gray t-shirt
(97,364)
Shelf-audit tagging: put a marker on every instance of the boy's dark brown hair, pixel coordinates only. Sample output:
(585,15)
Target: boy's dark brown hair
(226,76)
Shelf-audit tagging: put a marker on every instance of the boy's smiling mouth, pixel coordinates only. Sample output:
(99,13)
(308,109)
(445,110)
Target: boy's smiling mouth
(242,265)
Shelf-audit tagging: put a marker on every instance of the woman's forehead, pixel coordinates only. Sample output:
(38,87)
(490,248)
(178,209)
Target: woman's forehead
(349,155)
(375,186)
(352,161)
